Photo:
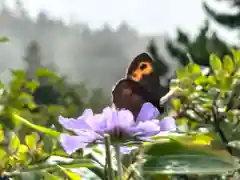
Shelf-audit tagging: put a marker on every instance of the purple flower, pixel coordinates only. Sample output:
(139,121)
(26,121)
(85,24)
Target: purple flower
(121,125)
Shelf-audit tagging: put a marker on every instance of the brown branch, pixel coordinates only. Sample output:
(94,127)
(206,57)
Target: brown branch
(169,95)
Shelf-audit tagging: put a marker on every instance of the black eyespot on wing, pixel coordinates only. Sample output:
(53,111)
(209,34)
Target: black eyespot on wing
(143,66)
(143,57)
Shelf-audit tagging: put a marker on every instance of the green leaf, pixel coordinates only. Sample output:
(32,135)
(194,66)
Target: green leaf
(49,176)
(36,127)
(176,104)
(215,62)
(23,148)
(14,143)
(4,39)
(212,80)
(174,157)
(20,74)
(201,80)
(3,154)
(228,64)
(186,139)
(25,98)
(236,55)
(187,164)
(54,166)
(194,68)
(48,144)
(70,174)
(182,73)
(161,177)
(45,73)
(225,84)
(1,85)
(30,176)
(32,85)
(31,141)
(55,109)
(1,134)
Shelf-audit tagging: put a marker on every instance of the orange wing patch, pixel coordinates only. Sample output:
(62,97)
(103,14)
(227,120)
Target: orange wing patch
(144,68)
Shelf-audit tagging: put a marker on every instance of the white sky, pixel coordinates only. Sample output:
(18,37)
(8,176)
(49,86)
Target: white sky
(141,14)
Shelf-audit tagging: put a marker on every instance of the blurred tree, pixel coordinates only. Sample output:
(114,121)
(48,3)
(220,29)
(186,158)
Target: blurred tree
(159,64)
(45,93)
(199,49)
(53,90)
(21,9)
(230,20)
(98,100)
(87,53)
(33,59)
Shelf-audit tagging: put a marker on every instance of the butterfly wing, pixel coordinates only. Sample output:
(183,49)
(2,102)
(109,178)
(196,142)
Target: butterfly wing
(140,85)
(128,94)
(142,71)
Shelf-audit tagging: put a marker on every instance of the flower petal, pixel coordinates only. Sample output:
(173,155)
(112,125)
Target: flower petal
(71,144)
(168,124)
(125,119)
(147,128)
(97,122)
(147,112)
(71,123)
(79,123)
(88,135)
(111,118)
(127,149)
(86,114)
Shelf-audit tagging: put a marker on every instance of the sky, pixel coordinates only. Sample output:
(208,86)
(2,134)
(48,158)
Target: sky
(141,14)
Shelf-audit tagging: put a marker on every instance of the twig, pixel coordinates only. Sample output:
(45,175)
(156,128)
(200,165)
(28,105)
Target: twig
(169,95)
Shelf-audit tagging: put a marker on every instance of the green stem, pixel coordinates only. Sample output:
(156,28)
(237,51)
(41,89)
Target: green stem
(107,142)
(119,164)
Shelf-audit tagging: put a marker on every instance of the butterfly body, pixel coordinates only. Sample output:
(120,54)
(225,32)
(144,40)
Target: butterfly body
(141,84)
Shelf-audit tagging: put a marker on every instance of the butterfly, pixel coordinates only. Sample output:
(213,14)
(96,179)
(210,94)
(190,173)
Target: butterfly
(141,84)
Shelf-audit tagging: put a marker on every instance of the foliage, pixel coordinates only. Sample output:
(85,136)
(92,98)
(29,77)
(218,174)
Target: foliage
(211,101)
(201,101)
(205,106)
(4,39)
(23,147)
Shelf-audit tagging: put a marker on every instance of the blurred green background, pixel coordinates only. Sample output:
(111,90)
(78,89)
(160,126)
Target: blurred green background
(50,67)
